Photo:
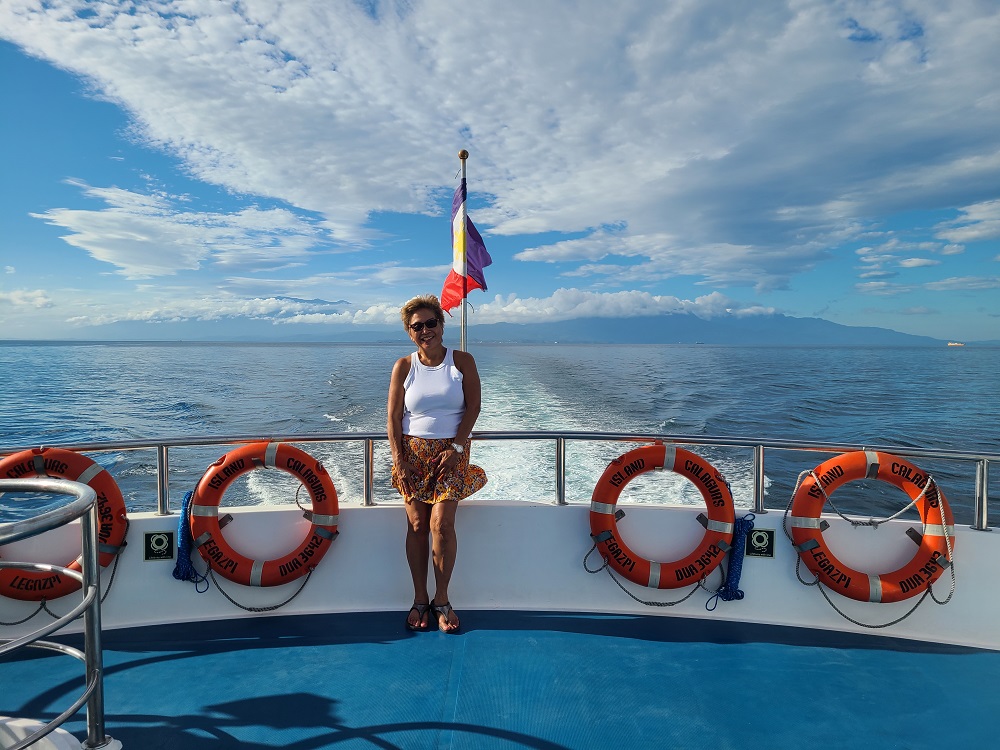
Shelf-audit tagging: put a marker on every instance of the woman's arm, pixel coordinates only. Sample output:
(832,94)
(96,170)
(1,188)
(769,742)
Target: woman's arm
(472,388)
(394,420)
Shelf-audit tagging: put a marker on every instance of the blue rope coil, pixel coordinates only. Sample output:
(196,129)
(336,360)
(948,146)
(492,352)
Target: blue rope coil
(730,588)
(184,569)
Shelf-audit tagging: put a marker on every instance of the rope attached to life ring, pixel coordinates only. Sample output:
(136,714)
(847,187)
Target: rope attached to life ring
(730,589)
(184,569)
(700,584)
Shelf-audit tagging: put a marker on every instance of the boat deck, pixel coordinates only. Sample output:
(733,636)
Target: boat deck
(517,680)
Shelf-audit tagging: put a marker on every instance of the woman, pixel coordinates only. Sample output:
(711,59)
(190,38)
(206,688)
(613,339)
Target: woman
(434,400)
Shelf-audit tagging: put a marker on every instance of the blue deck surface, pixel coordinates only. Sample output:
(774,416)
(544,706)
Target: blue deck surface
(517,680)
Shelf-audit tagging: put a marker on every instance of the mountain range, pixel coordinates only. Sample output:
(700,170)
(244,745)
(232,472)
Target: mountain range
(676,328)
(682,328)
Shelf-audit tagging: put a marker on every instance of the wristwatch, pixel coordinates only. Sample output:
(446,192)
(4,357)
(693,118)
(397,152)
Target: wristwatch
(458,448)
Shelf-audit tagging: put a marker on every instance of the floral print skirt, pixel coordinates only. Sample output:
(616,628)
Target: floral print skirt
(456,484)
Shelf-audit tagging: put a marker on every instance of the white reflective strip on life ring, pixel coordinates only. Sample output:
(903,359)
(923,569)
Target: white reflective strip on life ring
(875,588)
(89,473)
(720,526)
(804,522)
(607,509)
(936,529)
(871,464)
(256,572)
(326,520)
(654,575)
(670,457)
(204,510)
(271,455)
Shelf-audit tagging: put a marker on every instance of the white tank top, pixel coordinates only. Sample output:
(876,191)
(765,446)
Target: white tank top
(434,402)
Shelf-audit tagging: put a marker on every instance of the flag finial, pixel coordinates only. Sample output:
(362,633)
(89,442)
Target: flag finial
(463,154)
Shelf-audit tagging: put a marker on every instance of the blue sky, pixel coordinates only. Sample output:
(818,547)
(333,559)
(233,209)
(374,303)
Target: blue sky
(278,169)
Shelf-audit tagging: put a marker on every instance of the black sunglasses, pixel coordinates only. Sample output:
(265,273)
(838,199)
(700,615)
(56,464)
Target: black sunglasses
(419,326)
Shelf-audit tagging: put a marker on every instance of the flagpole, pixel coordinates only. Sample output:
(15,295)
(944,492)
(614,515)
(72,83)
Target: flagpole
(463,155)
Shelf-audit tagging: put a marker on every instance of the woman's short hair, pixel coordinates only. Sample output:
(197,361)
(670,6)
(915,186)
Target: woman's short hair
(423,302)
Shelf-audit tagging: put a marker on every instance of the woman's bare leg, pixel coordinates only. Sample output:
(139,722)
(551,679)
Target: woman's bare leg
(418,528)
(444,552)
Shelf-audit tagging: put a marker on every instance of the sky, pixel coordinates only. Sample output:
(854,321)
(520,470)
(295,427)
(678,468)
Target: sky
(280,169)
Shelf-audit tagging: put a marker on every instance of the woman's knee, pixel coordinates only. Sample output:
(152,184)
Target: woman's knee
(418,521)
(443,524)
(417,527)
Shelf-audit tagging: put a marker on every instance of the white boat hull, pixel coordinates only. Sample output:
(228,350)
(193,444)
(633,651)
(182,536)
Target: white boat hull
(529,557)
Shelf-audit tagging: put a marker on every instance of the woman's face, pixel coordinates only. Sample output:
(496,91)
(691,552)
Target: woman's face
(421,332)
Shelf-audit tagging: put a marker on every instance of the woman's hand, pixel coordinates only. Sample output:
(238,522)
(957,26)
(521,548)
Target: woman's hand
(447,460)
(407,477)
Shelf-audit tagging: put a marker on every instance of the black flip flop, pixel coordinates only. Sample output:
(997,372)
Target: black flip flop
(421,610)
(446,610)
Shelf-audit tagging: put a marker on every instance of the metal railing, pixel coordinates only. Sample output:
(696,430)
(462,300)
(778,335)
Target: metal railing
(84,505)
(758,448)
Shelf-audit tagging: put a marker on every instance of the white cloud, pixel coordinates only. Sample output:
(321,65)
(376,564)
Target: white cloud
(977,222)
(8,269)
(176,305)
(363,279)
(877,275)
(662,257)
(566,304)
(36,298)
(149,235)
(172,305)
(873,256)
(954,283)
(964,283)
(882,288)
(651,146)
(711,153)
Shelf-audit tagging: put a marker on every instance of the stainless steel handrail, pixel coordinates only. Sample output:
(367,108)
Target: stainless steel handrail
(758,446)
(326,437)
(85,504)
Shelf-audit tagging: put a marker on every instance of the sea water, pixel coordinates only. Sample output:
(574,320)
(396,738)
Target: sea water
(915,397)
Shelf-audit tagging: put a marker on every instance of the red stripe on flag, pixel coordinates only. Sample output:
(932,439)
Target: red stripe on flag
(451,293)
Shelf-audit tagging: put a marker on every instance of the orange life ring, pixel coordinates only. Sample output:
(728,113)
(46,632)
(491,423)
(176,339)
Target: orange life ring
(207,529)
(715,542)
(931,558)
(112,523)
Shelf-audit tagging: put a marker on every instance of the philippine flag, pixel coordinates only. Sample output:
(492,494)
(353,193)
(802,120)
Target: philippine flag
(469,255)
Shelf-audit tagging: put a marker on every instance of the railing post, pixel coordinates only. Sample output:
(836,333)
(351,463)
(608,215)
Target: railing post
(162,481)
(560,471)
(369,480)
(758,479)
(94,658)
(981,510)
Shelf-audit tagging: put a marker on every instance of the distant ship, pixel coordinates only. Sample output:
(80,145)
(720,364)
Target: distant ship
(955,343)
